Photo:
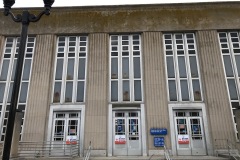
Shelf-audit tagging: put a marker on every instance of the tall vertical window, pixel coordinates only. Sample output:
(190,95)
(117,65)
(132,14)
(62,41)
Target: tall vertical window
(7,73)
(230,49)
(182,67)
(70,73)
(126,73)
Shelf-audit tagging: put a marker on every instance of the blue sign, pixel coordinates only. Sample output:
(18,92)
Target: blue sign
(158,141)
(158,131)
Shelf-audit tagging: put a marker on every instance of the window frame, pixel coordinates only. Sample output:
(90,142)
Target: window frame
(235,71)
(10,78)
(189,79)
(75,79)
(131,78)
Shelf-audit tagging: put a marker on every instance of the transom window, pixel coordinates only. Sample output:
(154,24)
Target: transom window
(230,49)
(70,73)
(7,73)
(126,72)
(183,75)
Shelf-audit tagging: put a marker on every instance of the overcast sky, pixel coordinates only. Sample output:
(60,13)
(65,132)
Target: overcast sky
(39,3)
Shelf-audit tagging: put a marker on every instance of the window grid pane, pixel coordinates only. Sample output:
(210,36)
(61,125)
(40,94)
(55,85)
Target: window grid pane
(70,69)
(125,63)
(230,49)
(8,68)
(182,67)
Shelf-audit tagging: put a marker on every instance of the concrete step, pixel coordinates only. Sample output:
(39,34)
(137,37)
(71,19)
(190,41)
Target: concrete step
(131,158)
(159,158)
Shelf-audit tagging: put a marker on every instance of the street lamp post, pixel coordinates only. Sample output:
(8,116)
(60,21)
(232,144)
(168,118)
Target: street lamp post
(25,19)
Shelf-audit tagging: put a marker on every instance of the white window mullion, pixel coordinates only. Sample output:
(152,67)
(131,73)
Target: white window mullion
(65,62)
(188,69)
(75,78)
(234,65)
(175,57)
(131,69)
(198,68)
(120,80)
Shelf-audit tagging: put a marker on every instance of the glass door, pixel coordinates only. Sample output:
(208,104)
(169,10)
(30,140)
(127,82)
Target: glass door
(66,128)
(189,133)
(197,136)
(126,137)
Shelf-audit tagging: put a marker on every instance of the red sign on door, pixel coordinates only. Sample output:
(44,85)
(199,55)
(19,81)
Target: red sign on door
(120,139)
(183,139)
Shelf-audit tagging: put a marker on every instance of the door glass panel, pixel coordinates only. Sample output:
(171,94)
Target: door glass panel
(194,114)
(59,130)
(72,127)
(180,114)
(196,130)
(119,114)
(73,115)
(133,129)
(182,133)
(133,114)
(181,126)
(120,127)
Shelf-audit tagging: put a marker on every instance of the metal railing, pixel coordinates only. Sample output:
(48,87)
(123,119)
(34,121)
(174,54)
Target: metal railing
(88,153)
(49,149)
(227,148)
(166,153)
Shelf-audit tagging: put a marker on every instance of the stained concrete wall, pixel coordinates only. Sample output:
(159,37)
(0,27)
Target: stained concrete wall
(155,87)
(156,17)
(214,88)
(151,21)
(97,94)
(37,111)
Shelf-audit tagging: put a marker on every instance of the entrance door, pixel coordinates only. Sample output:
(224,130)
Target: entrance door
(65,132)
(126,135)
(189,133)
